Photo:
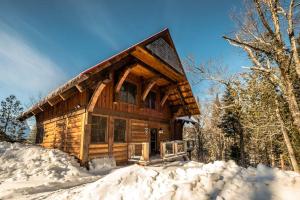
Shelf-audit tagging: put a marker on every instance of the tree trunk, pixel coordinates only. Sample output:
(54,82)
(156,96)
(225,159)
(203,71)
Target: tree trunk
(290,98)
(287,142)
(282,162)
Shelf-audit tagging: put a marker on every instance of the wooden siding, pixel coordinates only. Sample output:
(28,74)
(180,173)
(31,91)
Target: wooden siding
(63,133)
(137,132)
(120,152)
(98,151)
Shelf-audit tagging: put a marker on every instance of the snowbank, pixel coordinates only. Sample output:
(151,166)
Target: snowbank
(101,165)
(32,172)
(191,180)
(30,169)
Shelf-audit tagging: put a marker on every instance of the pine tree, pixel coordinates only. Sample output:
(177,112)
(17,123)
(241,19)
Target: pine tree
(231,125)
(9,111)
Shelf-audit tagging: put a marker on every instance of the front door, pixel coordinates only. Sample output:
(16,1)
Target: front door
(153,141)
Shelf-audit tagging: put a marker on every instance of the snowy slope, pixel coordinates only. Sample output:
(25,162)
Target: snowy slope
(30,169)
(191,180)
(31,172)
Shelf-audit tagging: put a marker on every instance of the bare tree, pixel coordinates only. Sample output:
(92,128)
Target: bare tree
(262,35)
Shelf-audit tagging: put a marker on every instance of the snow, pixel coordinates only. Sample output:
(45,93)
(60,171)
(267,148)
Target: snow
(31,172)
(101,165)
(30,169)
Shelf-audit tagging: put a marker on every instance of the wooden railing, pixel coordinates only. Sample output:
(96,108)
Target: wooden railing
(172,148)
(138,151)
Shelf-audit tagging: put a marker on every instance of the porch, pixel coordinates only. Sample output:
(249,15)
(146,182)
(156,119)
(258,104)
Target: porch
(169,151)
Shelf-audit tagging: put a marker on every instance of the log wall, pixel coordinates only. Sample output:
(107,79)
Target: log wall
(64,132)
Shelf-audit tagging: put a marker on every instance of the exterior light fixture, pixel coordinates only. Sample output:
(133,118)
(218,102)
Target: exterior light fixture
(160,131)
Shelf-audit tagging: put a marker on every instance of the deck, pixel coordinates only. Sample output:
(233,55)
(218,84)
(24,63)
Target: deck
(169,151)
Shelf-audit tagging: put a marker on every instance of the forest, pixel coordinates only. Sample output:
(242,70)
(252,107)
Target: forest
(255,116)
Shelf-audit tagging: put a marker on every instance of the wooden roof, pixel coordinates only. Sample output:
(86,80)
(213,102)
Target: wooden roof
(154,57)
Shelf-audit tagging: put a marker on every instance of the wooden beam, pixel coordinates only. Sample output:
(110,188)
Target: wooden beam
(154,71)
(146,57)
(184,104)
(79,88)
(123,77)
(149,86)
(101,85)
(40,108)
(167,94)
(62,97)
(164,99)
(50,103)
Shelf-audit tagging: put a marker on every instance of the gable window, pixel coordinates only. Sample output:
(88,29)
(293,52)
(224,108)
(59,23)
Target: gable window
(128,93)
(119,130)
(99,129)
(150,100)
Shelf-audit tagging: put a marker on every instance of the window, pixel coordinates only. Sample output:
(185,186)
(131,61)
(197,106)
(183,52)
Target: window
(119,130)
(150,100)
(128,93)
(99,129)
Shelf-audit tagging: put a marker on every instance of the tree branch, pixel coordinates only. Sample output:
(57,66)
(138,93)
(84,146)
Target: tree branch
(263,18)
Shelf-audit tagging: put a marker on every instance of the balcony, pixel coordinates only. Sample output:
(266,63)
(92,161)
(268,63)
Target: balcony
(169,151)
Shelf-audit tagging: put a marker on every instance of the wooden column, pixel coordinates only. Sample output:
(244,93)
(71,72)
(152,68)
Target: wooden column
(85,137)
(149,86)
(145,151)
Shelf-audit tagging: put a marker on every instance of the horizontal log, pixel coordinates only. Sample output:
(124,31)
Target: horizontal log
(93,151)
(98,146)
(93,156)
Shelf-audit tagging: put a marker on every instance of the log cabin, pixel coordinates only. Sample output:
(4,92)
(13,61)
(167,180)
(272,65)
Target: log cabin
(124,107)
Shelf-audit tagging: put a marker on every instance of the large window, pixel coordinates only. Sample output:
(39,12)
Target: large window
(128,93)
(119,130)
(99,129)
(150,100)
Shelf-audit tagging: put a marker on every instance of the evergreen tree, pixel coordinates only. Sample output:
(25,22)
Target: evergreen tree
(12,128)
(231,125)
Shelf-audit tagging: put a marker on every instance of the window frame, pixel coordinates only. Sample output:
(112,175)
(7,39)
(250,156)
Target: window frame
(126,130)
(106,130)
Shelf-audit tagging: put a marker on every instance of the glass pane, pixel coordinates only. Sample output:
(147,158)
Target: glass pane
(98,129)
(119,130)
(123,93)
(150,100)
(131,93)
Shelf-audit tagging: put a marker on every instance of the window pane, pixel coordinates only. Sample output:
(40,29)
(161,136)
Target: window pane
(123,93)
(128,92)
(131,93)
(150,100)
(119,130)
(98,129)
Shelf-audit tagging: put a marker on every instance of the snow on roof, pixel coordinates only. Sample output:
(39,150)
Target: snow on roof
(187,119)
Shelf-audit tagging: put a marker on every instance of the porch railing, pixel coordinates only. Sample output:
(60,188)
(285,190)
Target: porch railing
(172,148)
(138,151)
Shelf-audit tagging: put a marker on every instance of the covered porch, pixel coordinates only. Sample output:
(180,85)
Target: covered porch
(169,151)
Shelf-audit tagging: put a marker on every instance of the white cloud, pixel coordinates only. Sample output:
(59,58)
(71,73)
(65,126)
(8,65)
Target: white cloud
(24,71)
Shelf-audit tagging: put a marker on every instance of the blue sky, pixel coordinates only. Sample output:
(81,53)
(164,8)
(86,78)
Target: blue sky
(45,43)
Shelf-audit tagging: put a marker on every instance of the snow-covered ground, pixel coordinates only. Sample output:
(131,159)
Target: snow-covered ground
(30,172)
(27,170)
